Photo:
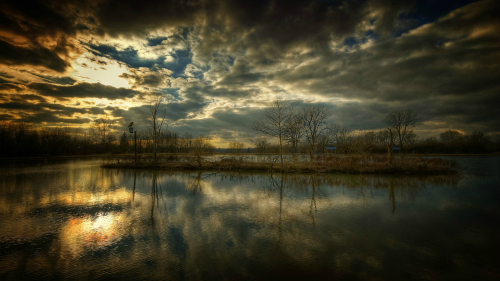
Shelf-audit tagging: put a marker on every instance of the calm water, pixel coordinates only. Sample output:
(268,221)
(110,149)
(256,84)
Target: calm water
(70,219)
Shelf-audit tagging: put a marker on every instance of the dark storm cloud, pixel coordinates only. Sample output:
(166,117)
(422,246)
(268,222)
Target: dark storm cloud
(149,79)
(24,98)
(82,90)
(371,56)
(5,75)
(36,56)
(137,17)
(140,114)
(6,85)
(176,111)
(56,80)
(200,92)
(265,26)
(241,73)
(21,109)
(443,59)
(49,117)
(28,25)
(156,41)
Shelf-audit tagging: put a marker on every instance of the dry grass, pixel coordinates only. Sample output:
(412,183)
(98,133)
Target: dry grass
(320,164)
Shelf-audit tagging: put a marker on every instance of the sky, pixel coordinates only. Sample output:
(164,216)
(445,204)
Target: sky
(65,63)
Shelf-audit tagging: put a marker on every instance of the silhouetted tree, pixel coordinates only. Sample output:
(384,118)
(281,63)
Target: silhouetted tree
(402,122)
(157,111)
(294,130)
(262,144)
(100,130)
(236,146)
(314,120)
(338,135)
(124,142)
(273,124)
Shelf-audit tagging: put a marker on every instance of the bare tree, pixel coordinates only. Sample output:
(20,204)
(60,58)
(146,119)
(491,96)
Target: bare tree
(124,143)
(451,137)
(100,130)
(401,123)
(262,144)
(294,130)
(314,120)
(201,147)
(157,111)
(236,147)
(382,138)
(337,133)
(273,124)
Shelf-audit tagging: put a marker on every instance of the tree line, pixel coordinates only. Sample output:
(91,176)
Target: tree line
(349,142)
(285,129)
(28,140)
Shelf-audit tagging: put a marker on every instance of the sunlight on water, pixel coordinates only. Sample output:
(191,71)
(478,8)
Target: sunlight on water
(90,233)
(71,219)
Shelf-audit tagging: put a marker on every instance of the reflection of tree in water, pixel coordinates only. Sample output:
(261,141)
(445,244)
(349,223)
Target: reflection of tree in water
(294,218)
(398,186)
(298,196)
(296,215)
(392,197)
(280,184)
(280,188)
(196,186)
(135,179)
(156,192)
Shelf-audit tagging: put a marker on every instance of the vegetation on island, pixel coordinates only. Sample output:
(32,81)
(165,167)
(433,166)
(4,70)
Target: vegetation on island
(353,164)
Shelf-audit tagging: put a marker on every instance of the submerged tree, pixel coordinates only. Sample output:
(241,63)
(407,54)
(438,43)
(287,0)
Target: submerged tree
(273,124)
(401,123)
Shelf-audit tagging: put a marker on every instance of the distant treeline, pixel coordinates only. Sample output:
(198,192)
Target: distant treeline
(27,140)
(448,142)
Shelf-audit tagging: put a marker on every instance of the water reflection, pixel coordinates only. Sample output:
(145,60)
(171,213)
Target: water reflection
(77,220)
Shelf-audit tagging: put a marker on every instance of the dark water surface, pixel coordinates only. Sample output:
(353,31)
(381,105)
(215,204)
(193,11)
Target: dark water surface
(71,220)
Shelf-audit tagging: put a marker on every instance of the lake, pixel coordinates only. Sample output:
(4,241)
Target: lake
(71,219)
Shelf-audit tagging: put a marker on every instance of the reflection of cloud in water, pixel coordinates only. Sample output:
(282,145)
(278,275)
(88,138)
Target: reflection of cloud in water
(162,225)
(91,232)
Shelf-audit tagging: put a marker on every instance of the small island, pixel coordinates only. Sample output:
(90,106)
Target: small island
(304,141)
(321,164)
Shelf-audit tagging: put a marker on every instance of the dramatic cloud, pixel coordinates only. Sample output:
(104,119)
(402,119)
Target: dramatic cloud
(221,62)
(83,90)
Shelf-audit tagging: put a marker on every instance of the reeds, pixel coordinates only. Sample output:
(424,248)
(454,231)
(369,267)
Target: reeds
(352,164)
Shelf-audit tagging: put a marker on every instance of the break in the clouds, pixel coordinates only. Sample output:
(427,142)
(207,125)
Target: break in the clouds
(65,62)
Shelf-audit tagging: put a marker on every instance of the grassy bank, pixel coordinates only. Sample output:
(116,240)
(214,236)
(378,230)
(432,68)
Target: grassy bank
(330,164)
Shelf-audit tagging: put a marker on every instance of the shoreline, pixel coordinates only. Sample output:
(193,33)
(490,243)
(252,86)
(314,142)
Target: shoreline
(351,165)
(232,154)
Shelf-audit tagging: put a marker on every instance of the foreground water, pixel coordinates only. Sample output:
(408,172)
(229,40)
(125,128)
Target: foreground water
(70,219)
